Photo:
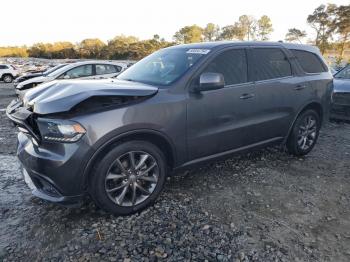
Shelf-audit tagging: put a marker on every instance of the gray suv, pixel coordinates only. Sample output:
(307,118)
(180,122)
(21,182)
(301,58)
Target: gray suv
(116,140)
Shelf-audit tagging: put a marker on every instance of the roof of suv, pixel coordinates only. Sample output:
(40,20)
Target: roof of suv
(211,45)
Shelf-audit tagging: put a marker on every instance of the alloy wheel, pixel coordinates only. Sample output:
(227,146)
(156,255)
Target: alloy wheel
(132,178)
(307,132)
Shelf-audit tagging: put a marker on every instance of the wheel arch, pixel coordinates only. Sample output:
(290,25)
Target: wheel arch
(6,74)
(311,105)
(155,137)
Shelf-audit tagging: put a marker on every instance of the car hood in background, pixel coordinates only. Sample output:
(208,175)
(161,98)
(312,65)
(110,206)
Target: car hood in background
(63,95)
(29,75)
(39,79)
(341,85)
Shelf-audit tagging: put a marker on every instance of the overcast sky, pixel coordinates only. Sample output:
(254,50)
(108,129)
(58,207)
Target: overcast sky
(31,21)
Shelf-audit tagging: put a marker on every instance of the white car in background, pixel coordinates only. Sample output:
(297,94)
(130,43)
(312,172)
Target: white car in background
(78,70)
(8,73)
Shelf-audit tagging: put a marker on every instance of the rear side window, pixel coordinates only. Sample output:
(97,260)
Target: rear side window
(104,69)
(79,71)
(3,67)
(270,63)
(232,64)
(310,62)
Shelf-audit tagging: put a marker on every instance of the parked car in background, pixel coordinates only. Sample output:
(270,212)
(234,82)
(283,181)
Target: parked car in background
(118,139)
(341,95)
(333,70)
(27,76)
(78,70)
(8,73)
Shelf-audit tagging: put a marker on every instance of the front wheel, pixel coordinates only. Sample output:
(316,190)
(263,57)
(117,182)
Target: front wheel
(304,134)
(129,178)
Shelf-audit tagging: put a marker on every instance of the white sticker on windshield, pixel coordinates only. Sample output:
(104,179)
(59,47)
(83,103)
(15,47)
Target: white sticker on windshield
(198,51)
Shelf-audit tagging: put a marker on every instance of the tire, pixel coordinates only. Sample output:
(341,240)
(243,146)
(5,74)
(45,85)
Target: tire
(7,78)
(304,134)
(112,173)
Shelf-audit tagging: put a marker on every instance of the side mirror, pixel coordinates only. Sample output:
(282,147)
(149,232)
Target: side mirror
(66,77)
(210,81)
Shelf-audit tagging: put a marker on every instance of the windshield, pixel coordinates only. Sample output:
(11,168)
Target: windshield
(163,67)
(344,73)
(50,70)
(59,71)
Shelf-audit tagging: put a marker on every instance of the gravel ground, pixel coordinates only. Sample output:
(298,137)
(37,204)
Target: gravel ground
(263,206)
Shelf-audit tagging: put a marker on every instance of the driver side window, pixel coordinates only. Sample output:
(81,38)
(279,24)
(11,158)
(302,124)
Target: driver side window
(232,64)
(77,72)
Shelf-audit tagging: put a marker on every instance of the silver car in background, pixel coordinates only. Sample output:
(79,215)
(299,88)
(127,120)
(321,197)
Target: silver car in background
(78,70)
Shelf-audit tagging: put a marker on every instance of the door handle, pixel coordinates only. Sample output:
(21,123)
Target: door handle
(300,87)
(246,96)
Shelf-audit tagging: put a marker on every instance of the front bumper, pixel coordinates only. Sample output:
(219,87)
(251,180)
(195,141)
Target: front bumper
(41,191)
(54,172)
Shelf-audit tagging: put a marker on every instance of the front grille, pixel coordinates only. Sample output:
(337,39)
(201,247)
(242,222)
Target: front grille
(341,99)
(23,118)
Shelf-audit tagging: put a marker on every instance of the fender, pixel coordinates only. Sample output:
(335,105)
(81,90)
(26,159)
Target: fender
(108,141)
(301,108)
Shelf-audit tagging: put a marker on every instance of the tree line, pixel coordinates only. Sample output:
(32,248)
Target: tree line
(330,22)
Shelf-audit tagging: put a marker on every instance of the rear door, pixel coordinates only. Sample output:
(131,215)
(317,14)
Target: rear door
(81,72)
(106,71)
(223,119)
(275,91)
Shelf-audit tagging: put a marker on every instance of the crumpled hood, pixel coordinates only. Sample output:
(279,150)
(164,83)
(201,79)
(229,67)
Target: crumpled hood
(62,95)
(341,85)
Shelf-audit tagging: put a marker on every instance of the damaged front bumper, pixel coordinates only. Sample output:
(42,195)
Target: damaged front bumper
(53,171)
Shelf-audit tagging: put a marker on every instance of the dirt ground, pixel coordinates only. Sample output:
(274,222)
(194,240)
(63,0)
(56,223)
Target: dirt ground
(262,206)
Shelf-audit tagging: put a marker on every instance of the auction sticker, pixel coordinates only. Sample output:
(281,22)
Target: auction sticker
(198,51)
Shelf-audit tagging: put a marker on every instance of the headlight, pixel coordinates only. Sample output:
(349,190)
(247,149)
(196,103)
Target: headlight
(65,131)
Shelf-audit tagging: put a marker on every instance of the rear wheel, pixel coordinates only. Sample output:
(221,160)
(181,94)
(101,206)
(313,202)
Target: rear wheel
(304,134)
(7,78)
(129,178)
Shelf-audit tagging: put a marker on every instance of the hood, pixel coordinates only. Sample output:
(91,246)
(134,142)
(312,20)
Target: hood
(30,75)
(341,85)
(63,95)
(39,79)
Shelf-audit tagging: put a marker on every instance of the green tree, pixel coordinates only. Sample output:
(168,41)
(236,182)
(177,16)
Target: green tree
(91,48)
(118,47)
(322,21)
(232,32)
(264,25)
(295,34)
(247,26)
(342,24)
(14,51)
(189,34)
(211,32)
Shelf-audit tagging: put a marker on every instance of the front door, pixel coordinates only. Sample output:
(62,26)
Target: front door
(223,119)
